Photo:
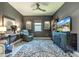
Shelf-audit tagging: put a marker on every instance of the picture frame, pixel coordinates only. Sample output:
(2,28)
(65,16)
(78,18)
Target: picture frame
(28,25)
(8,22)
(47,25)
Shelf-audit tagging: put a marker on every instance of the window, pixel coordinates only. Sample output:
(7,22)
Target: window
(37,27)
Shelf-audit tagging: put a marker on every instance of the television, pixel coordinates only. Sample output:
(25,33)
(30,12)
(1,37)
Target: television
(64,25)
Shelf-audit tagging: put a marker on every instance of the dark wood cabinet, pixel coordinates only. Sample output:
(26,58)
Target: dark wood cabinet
(72,40)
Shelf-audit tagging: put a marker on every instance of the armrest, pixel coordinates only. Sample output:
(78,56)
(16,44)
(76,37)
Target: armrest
(2,47)
(2,50)
(31,34)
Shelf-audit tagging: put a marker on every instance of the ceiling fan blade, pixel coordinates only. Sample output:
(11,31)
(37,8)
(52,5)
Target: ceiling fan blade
(38,8)
(42,9)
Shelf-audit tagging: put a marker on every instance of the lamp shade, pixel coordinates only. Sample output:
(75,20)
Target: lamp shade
(18,29)
(2,29)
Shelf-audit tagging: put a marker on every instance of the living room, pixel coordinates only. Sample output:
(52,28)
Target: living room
(28,29)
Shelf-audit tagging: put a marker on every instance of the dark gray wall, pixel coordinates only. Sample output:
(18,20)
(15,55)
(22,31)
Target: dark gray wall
(34,19)
(71,9)
(9,11)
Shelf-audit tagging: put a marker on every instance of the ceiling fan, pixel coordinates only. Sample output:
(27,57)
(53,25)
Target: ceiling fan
(38,7)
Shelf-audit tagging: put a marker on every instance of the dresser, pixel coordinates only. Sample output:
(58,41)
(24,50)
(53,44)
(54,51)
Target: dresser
(60,39)
(65,40)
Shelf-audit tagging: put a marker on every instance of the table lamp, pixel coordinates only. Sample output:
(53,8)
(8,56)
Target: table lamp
(2,30)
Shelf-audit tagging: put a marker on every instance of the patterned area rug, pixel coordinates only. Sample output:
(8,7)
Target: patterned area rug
(40,48)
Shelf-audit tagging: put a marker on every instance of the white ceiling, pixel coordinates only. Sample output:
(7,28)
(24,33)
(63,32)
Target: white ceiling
(26,8)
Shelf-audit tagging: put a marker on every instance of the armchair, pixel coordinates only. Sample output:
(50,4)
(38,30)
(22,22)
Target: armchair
(26,35)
